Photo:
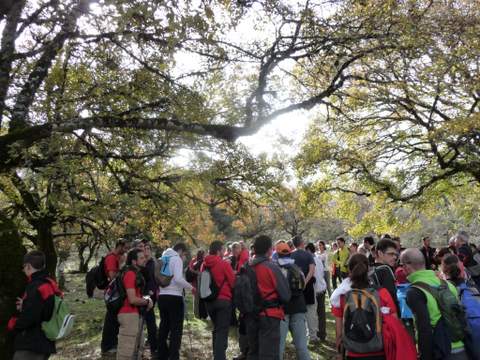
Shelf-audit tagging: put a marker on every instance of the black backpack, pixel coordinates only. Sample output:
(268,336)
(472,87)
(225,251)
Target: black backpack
(246,296)
(115,294)
(96,278)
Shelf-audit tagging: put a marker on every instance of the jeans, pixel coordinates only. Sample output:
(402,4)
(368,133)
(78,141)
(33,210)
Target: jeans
(322,321)
(29,355)
(296,324)
(151,329)
(263,337)
(171,326)
(220,311)
(312,322)
(327,281)
(109,332)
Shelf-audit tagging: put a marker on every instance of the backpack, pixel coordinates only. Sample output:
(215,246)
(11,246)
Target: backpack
(96,278)
(373,277)
(163,275)
(207,288)
(115,294)
(362,321)
(61,322)
(470,299)
(450,308)
(246,296)
(295,279)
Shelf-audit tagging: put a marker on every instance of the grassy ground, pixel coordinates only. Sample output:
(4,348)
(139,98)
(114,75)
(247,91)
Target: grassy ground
(84,342)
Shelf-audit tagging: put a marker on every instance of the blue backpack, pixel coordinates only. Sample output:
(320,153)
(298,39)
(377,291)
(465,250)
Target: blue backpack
(470,298)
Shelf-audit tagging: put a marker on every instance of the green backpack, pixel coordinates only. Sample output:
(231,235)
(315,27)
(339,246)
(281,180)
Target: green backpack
(450,307)
(61,322)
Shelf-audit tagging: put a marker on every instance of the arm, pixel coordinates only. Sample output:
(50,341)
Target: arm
(417,302)
(387,280)
(229,275)
(129,280)
(177,272)
(31,314)
(311,272)
(338,336)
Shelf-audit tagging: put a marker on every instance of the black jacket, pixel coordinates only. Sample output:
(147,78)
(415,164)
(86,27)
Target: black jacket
(38,303)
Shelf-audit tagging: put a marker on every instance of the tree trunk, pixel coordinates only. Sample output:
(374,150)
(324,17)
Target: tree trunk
(45,243)
(12,280)
(82,264)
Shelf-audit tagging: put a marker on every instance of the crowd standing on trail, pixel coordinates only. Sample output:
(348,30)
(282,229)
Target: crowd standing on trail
(388,302)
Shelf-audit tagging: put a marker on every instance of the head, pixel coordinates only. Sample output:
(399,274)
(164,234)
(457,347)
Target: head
(148,251)
(397,242)
(310,247)
(282,248)
(139,244)
(290,244)
(386,236)
(461,238)
(353,248)
(387,252)
(298,242)
(426,241)
(321,246)
(368,242)
(121,246)
(181,249)
(451,267)
(236,249)
(33,261)
(262,245)
(200,254)
(440,254)
(136,258)
(341,242)
(334,246)
(412,261)
(216,248)
(362,249)
(358,271)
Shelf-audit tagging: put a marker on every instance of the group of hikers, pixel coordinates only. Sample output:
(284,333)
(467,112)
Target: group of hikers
(388,302)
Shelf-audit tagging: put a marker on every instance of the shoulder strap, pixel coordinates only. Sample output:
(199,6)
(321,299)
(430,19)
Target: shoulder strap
(424,286)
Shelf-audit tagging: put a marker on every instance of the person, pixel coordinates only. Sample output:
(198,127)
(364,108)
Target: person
(353,248)
(295,309)
(382,274)
(194,266)
(35,306)
(171,305)
(305,261)
(220,309)
(428,253)
(236,250)
(424,306)
(341,259)
(332,255)
(357,279)
(243,257)
(148,272)
(263,329)
(368,243)
(108,344)
(129,315)
(465,254)
(322,254)
(320,288)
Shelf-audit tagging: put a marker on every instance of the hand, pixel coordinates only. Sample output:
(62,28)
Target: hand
(149,304)
(19,303)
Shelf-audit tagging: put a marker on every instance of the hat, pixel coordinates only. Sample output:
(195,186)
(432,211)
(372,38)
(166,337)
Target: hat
(283,249)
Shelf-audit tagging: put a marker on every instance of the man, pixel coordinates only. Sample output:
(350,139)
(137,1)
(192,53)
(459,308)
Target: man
(305,261)
(148,272)
(320,288)
(243,257)
(35,306)
(424,307)
(368,243)
(171,305)
(341,259)
(236,250)
(263,329)
(428,253)
(295,309)
(383,274)
(110,324)
(220,309)
(465,254)
(130,333)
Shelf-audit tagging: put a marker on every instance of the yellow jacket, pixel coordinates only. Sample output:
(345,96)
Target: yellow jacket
(341,259)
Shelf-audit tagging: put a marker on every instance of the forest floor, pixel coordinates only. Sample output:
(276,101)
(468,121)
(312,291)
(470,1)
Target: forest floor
(84,341)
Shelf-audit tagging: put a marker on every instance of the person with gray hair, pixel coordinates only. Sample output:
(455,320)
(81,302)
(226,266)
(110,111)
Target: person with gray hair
(425,308)
(465,254)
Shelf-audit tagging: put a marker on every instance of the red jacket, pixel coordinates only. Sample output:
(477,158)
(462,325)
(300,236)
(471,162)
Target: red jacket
(242,259)
(222,274)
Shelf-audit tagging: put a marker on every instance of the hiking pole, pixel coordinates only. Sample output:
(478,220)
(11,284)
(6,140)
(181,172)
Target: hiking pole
(138,350)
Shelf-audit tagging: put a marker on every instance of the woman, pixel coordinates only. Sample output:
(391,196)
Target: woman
(323,256)
(358,280)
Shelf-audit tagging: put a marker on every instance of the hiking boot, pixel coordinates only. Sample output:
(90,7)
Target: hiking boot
(240,357)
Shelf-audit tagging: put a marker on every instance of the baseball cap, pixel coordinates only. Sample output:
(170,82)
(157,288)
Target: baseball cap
(283,249)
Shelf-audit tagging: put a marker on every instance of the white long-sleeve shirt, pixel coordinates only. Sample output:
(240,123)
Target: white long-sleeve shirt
(320,284)
(178,282)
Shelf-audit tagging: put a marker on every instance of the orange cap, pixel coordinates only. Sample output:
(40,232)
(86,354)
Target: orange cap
(283,249)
